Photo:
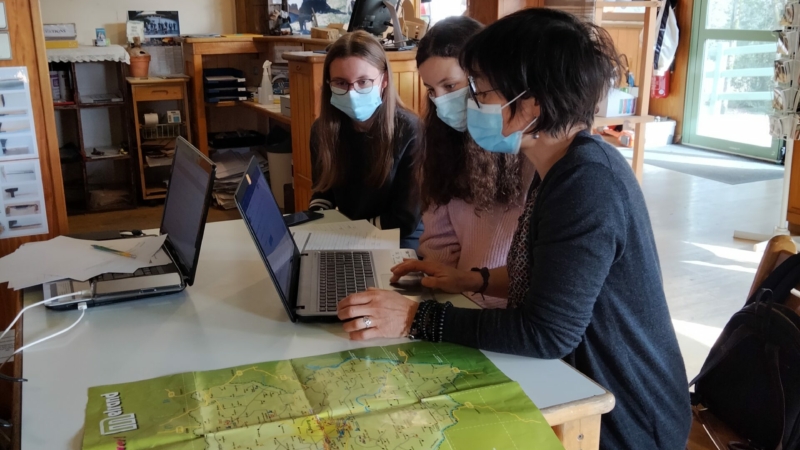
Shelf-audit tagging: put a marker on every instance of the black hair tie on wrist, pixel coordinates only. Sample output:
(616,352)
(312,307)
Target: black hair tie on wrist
(484,271)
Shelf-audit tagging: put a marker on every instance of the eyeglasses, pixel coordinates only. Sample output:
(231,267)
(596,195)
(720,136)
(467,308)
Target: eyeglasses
(473,91)
(341,87)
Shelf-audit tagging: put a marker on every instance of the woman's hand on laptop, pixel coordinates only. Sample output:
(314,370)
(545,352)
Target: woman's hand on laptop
(439,276)
(377,314)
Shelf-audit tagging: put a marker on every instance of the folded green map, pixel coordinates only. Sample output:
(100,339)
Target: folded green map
(412,396)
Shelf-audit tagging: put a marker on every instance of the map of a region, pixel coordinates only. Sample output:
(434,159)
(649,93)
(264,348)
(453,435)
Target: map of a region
(413,396)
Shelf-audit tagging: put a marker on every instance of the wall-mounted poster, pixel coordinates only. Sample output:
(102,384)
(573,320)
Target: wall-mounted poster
(22,209)
(17,135)
(157,24)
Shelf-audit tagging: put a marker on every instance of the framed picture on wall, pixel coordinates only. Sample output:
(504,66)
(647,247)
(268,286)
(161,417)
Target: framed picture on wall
(158,24)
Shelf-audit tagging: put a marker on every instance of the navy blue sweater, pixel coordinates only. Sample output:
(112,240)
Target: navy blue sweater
(596,299)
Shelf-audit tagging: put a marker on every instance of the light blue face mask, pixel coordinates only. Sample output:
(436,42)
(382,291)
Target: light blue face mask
(485,125)
(357,106)
(452,108)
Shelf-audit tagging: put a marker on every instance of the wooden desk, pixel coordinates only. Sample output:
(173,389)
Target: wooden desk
(231,316)
(197,54)
(305,81)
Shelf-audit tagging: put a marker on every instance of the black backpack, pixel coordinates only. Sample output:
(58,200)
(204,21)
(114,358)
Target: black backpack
(751,378)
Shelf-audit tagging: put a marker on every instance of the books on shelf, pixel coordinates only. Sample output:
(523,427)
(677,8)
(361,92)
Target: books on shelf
(158,160)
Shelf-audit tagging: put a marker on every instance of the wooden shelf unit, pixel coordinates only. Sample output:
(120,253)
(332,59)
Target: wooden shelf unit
(644,77)
(79,200)
(156,90)
(204,53)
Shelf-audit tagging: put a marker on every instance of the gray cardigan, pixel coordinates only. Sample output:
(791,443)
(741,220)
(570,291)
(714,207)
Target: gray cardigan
(595,299)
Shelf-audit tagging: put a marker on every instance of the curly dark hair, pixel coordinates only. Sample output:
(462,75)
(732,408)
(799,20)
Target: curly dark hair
(450,164)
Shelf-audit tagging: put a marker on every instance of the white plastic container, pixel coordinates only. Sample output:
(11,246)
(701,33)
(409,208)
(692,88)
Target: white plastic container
(659,134)
(265,96)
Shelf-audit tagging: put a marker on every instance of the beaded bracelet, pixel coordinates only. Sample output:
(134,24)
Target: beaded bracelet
(429,321)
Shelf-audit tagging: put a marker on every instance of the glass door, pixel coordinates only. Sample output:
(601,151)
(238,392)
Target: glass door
(729,89)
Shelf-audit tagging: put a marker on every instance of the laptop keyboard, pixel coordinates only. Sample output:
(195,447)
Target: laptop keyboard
(143,272)
(342,274)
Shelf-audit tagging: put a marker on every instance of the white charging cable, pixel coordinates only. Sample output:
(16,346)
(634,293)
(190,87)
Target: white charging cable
(81,307)
(33,305)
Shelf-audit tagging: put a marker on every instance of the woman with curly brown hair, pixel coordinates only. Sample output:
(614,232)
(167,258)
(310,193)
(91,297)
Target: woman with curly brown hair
(472,198)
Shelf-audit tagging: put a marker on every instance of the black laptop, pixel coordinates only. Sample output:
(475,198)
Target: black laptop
(185,212)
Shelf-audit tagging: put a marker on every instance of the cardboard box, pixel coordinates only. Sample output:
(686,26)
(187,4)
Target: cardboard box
(618,103)
(173,117)
(286,107)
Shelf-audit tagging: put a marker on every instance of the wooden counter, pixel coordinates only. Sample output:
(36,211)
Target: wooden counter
(305,81)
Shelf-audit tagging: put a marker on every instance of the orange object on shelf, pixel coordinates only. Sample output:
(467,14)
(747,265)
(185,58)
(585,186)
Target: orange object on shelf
(624,137)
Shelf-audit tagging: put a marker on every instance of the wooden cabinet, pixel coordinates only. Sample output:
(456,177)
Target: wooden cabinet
(305,79)
(171,94)
(793,213)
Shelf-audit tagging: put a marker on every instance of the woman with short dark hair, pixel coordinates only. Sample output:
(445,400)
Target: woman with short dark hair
(583,276)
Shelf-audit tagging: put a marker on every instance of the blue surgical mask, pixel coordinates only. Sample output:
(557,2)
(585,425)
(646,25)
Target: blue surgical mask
(452,108)
(359,107)
(485,125)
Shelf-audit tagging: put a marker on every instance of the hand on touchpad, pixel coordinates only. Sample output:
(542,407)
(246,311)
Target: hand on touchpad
(411,284)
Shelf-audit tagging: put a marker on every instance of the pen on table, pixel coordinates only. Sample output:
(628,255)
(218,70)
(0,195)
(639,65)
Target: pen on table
(116,252)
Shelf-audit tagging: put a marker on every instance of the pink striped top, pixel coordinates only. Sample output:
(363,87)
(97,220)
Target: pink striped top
(455,235)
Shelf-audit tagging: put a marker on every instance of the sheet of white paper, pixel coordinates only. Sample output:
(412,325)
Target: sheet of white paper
(62,257)
(358,235)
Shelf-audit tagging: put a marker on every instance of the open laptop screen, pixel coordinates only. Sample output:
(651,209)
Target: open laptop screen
(265,221)
(186,205)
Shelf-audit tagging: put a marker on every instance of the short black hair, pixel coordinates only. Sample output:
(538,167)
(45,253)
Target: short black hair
(566,64)
(446,39)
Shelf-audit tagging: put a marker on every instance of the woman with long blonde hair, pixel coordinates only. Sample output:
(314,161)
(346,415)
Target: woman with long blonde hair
(364,142)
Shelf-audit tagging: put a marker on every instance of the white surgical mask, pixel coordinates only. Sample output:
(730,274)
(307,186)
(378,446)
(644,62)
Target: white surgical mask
(485,125)
(452,108)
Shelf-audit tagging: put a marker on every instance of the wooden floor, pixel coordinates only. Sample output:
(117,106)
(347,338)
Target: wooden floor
(142,218)
(706,272)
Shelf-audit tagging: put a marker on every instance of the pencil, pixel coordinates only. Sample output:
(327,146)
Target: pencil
(116,252)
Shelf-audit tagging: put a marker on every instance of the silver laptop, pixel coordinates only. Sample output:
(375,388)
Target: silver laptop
(185,212)
(310,284)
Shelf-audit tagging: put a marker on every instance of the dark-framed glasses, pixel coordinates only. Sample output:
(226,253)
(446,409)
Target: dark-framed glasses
(473,90)
(341,87)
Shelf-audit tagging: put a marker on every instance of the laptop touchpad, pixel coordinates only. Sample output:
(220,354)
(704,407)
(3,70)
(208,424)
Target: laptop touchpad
(409,285)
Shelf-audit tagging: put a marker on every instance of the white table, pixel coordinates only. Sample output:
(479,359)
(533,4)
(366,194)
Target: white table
(231,316)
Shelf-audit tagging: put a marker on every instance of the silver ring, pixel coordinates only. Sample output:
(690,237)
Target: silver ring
(367,322)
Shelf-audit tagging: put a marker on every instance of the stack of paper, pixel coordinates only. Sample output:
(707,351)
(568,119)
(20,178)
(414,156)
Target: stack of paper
(231,165)
(356,235)
(159,152)
(62,257)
